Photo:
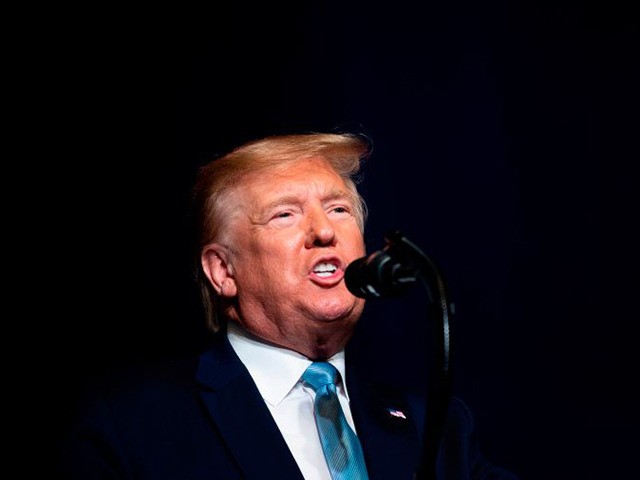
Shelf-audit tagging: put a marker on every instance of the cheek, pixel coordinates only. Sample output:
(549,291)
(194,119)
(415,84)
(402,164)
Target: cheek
(357,247)
(272,258)
(278,249)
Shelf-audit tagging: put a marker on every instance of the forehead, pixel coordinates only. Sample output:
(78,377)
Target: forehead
(297,182)
(315,174)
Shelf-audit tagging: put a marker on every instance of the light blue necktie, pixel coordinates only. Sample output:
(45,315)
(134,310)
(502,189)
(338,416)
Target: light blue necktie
(340,444)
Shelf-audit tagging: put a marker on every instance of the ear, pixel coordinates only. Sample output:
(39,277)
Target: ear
(215,264)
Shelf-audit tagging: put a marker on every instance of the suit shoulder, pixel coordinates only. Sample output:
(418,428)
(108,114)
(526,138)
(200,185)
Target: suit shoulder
(135,381)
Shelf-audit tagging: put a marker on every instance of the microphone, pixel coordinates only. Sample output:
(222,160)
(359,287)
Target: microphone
(390,272)
(385,273)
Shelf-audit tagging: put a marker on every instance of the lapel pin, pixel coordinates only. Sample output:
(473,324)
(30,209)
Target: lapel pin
(396,413)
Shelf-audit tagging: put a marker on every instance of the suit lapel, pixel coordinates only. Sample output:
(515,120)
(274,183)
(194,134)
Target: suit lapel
(241,416)
(384,421)
(386,428)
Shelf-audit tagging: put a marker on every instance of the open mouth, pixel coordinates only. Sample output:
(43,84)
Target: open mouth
(325,269)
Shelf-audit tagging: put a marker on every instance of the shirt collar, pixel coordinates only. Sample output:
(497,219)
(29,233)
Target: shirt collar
(275,370)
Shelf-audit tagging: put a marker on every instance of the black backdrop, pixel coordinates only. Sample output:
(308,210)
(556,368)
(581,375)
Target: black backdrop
(504,140)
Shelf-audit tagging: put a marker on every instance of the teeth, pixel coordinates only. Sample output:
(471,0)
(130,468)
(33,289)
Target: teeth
(325,269)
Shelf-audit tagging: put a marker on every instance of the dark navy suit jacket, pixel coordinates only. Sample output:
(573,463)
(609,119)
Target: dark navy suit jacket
(204,419)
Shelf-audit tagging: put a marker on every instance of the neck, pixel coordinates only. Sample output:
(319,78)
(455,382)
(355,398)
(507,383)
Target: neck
(316,347)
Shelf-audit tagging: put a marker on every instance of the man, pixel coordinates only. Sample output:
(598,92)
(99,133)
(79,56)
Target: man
(279,221)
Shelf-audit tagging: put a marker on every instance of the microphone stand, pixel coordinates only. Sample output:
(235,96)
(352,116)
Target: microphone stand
(439,381)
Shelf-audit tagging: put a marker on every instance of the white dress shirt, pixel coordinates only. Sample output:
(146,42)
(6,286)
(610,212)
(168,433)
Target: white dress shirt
(276,372)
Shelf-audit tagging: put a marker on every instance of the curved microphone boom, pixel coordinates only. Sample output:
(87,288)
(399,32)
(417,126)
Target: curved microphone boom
(390,272)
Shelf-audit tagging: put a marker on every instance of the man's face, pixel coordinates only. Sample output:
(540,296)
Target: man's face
(289,241)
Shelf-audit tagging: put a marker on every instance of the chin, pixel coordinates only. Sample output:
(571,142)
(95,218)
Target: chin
(333,310)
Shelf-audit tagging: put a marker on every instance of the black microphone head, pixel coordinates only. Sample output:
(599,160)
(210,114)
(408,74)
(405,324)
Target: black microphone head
(355,277)
(377,275)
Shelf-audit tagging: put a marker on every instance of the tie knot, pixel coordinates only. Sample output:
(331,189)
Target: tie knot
(319,374)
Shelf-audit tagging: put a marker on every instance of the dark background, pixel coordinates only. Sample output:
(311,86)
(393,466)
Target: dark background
(505,140)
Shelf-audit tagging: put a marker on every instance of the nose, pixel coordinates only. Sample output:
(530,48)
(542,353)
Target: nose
(320,230)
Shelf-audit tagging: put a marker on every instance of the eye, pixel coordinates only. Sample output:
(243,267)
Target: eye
(340,210)
(283,218)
